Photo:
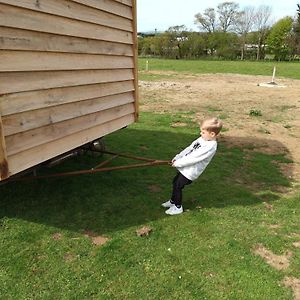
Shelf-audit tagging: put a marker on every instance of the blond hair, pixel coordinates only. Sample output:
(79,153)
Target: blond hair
(212,125)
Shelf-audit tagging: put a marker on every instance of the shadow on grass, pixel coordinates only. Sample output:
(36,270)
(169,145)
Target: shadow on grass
(108,202)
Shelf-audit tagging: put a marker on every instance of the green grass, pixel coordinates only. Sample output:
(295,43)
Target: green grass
(205,253)
(283,69)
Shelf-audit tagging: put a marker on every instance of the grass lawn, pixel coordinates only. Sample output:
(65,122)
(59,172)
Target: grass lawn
(205,253)
(283,69)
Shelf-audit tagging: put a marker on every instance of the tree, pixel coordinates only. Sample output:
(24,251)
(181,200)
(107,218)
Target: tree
(177,37)
(244,25)
(296,30)
(194,45)
(144,45)
(226,45)
(217,24)
(224,19)
(278,39)
(228,15)
(297,23)
(207,20)
(262,17)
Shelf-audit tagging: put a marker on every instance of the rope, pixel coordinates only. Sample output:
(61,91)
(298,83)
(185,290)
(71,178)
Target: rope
(148,163)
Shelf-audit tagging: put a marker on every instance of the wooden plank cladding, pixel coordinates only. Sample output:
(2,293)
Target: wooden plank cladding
(68,76)
(115,7)
(28,120)
(30,101)
(19,39)
(42,135)
(75,11)
(33,156)
(126,2)
(14,82)
(45,61)
(15,17)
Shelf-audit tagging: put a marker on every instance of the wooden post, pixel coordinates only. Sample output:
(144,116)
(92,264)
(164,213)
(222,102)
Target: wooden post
(3,156)
(273,77)
(135,57)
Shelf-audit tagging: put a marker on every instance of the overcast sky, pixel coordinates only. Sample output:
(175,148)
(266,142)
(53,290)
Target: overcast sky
(162,14)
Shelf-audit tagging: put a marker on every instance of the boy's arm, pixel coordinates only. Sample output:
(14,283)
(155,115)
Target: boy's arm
(195,157)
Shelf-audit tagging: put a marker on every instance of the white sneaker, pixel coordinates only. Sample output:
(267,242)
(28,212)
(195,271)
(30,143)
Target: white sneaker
(174,210)
(167,204)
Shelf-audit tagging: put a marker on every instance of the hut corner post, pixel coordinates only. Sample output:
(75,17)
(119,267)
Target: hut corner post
(135,57)
(3,157)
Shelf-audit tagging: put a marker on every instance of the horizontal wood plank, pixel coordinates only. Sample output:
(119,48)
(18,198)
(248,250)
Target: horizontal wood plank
(73,10)
(22,141)
(20,102)
(12,61)
(15,17)
(19,39)
(126,2)
(113,7)
(29,120)
(37,155)
(14,82)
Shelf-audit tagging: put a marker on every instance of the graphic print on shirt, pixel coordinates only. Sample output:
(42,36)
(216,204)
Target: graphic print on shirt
(195,147)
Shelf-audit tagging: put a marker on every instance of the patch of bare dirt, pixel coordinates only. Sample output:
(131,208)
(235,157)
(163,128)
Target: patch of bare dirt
(144,148)
(294,235)
(274,226)
(154,188)
(293,283)
(296,244)
(268,206)
(57,236)
(178,124)
(279,262)
(232,97)
(97,240)
(144,231)
(69,257)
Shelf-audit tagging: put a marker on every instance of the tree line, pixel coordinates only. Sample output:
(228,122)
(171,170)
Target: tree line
(226,32)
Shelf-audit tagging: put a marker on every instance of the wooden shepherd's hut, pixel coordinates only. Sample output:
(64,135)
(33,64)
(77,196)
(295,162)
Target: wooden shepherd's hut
(68,76)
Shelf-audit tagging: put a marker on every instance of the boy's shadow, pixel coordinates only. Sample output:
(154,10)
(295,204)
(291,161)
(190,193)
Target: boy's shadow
(108,202)
(251,171)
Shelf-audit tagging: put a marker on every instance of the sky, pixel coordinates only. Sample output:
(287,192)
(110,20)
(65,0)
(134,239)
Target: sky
(162,14)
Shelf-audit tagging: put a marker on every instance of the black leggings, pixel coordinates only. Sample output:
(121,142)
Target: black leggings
(179,182)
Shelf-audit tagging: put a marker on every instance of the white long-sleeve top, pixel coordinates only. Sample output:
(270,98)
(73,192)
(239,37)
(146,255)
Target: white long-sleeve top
(193,160)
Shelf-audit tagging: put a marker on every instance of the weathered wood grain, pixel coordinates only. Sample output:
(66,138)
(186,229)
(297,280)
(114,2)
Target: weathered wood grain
(36,155)
(20,39)
(15,17)
(73,10)
(28,120)
(15,82)
(27,101)
(12,61)
(113,7)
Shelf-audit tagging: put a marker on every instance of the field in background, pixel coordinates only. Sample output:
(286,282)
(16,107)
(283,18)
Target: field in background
(239,237)
(284,69)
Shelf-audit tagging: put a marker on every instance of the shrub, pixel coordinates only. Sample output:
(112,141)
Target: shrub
(255,113)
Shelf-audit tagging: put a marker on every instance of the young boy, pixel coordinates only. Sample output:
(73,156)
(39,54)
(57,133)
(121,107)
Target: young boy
(192,161)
